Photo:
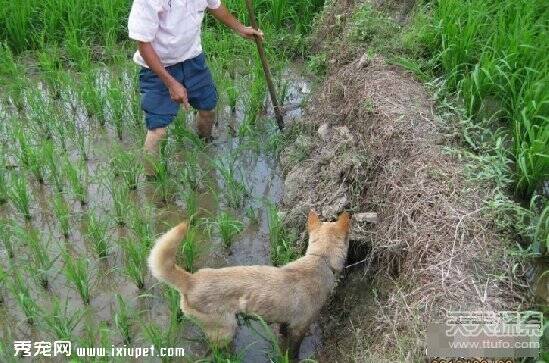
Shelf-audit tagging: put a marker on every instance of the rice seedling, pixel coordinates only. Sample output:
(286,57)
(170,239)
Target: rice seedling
(24,146)
(140,218)
(6,236)
(97,234)
(75,176)
(3,282)
(158,336)
(91,96)
(77,272)
(135,261)
(23,298)
(51,158)
(3,179)
(60,322)
(276,355)
(115,95)
(235,190)
(120,194)
(282,250)
(39,256)
(126,165)
(190,197)
(62,212)
(252,214)
(191,175)
(19,195)
(190,249)
(173,298)
(123,320)
(163,183)
(228,227)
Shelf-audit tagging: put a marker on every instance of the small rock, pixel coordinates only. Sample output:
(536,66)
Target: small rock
(346,134)
(334,208)
(305,89)
(364,61)
(369,217)
(324,131)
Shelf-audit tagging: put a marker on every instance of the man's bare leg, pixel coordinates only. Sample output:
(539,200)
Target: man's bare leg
(152,149)
(205,123)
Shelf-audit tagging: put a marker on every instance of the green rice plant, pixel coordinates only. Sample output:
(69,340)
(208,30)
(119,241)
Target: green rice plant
(51,159)
(276,355)
(282,250)
(228,227)
(62,212)
(97,234)
(75,176)
(115,95)
(91,96)
(59,322)
(120,194)
(140,219)
(158,336)
(163,183)
(252,214)
(173,298)
(126,165)
(135,261)
(12,77)
(3,179)
(24,146)
(6,236)
(3,282)
(235,190)
(123,320)
(190,197)
(20,291)
(191,174)
(39,256)
(19,195)
(77,272)
(190,248)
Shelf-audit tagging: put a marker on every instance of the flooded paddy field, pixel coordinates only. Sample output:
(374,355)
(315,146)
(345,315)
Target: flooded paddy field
(78,218)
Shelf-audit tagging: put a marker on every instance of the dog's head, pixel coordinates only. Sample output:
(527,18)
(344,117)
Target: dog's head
(330,238)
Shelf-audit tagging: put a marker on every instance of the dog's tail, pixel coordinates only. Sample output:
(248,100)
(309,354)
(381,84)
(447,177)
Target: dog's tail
(162,259)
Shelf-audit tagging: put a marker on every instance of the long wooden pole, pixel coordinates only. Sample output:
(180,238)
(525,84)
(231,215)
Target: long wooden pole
(266,69)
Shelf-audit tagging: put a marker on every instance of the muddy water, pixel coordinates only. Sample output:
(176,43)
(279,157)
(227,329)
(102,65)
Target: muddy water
(258,172)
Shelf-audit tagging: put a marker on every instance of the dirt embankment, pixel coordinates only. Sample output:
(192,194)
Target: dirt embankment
(372,141)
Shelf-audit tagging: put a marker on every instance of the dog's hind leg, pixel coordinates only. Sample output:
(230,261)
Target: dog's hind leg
(296,333)
(220,329)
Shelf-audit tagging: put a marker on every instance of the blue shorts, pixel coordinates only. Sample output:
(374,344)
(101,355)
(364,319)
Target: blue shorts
(156,102)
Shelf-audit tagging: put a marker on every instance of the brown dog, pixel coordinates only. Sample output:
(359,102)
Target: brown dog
(291,295)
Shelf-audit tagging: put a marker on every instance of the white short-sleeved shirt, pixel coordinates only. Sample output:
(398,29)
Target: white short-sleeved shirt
(173,27)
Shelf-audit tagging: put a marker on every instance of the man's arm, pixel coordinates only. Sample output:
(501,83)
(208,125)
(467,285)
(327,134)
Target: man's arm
(223,15)
(178,93)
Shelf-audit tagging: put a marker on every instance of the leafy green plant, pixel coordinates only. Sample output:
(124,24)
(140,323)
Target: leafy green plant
(282,250)
(19,195)
(190,248)
(60,322)
(76,179)
(135,257)
(40,258)
(235,190)
(6,236)
(23,298)
(191,204)
(77,272)
(228,227)
(97,234)
(120,194)
(51,159)
(122,319)
(126,165)
(62,212)
(173,298)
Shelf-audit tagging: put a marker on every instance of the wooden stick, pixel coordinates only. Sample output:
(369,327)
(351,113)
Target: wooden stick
(266,69)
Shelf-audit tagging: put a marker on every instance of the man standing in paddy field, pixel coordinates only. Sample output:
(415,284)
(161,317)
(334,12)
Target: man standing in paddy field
(173,71)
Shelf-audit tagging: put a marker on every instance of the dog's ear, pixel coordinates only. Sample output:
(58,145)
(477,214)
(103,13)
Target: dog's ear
(313,222)
(344,221)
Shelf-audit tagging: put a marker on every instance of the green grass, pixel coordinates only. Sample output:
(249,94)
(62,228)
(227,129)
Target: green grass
(123,320)
(190,248)
(62,212)
(77,272)
(40,259)
(19,195)
(75,175)
(135,260)
(23,298)
(228,227)
(281,241)
(97,234)
(60,322)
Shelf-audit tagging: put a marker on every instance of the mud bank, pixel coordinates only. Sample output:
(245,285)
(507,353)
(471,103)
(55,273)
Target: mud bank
(372,141)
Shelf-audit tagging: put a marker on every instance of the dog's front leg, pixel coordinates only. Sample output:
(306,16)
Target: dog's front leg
(295,337)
